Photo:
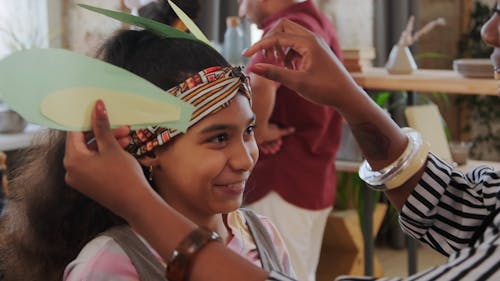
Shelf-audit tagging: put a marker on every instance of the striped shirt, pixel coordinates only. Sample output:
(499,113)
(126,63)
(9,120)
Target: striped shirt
(103,259)
(456,214)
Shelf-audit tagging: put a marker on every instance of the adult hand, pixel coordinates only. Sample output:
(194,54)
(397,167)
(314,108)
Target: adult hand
(121,135)
(109,174)
(269,137)
(270,147)
(310,67)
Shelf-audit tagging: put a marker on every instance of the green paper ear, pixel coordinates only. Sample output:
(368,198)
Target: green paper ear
(195,30)
(56,88)
(154,26)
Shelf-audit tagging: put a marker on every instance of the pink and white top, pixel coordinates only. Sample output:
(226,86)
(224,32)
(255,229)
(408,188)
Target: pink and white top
(103,259)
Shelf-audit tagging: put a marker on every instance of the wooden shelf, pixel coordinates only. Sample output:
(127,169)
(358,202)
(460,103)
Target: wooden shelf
(447,81)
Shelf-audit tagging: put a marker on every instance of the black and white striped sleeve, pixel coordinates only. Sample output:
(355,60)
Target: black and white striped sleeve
(447,207)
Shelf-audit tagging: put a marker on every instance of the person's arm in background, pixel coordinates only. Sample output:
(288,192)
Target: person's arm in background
(267,135)
(124,190)
(433,214)
(320,77)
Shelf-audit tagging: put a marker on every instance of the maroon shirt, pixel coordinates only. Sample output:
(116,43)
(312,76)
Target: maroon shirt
(303,171)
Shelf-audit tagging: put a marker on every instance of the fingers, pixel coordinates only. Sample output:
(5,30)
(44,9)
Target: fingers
(286,131)
(75,142)
(74,149)
(271,147)
(101,127)
(277,39)
(290,78)
(122,135)
(121,132)
(124,142)
(285,34)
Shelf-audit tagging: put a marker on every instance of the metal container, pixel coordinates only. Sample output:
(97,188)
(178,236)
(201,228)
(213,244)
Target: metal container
(10,121)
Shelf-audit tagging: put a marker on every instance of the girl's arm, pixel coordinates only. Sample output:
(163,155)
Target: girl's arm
(114,178)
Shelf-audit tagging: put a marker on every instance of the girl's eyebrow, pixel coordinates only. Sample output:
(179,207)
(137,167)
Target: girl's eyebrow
(222,127)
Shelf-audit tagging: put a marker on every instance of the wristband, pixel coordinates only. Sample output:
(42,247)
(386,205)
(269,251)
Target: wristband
(180,261)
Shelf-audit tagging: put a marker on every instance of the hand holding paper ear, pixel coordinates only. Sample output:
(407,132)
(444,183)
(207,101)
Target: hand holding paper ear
(111,184)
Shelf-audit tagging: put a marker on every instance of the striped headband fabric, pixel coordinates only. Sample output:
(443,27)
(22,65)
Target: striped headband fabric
(209,91)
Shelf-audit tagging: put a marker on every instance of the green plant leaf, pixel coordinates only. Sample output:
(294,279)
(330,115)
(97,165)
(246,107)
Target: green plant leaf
(381,99)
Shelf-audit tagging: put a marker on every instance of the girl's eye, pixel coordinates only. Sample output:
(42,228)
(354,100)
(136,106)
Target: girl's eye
(250,129)
(219,138)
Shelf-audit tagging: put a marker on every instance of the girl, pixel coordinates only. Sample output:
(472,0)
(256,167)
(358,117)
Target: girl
(50,231)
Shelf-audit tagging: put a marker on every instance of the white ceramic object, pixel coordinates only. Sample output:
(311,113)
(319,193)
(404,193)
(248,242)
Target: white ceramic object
(400,61)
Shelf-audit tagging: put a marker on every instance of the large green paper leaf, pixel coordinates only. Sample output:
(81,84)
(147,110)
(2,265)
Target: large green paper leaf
(28,78)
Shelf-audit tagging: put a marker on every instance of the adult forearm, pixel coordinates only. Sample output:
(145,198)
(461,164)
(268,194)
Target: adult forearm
(379,137)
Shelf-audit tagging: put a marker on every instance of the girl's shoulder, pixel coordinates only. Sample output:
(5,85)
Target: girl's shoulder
(101,259)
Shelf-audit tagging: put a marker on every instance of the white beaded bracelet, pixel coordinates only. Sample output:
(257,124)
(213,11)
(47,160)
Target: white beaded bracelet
(399,171)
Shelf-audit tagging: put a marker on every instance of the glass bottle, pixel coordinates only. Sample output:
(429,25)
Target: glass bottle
(233,41)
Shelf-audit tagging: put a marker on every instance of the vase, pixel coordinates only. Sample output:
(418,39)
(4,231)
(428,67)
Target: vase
(400,61)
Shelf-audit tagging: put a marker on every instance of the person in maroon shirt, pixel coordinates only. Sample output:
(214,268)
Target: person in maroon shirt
(294,181)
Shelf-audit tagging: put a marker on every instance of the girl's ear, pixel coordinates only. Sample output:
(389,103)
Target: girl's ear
(149,160)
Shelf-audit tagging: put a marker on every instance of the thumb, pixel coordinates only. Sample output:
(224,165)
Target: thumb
(287,131)
(100,126)
(287,77)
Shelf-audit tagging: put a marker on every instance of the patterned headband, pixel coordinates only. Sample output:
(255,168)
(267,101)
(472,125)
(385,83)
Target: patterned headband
(209,91)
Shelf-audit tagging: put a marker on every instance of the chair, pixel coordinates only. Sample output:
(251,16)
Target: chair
(428,121)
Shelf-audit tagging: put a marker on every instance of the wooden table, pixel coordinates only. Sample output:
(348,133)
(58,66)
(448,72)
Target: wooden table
(427,80)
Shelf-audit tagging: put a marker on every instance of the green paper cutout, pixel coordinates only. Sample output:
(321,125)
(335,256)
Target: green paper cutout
(195,30)
(71,107)
(27,77)
(149,24)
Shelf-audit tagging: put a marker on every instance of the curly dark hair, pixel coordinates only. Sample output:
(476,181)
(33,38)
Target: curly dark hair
(46,223)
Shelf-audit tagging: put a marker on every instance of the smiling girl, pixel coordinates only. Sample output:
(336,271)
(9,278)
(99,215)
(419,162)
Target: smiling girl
(58,232)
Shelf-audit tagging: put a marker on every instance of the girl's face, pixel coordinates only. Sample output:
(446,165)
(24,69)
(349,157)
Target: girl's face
(205,170)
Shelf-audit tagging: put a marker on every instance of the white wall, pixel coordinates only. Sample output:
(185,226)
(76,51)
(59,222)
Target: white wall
(353,20)
(85,31)
(23,25)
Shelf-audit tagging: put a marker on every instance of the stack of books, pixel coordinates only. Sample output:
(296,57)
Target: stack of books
(355,60)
